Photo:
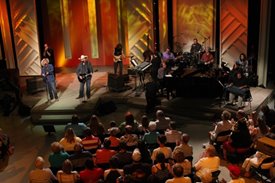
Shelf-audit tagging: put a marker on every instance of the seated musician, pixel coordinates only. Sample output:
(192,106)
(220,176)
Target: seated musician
(238,88)
(242,63)
(207,60)
(168,57)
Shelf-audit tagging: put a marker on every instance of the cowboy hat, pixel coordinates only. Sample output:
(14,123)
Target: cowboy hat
(44,60)
(83,57)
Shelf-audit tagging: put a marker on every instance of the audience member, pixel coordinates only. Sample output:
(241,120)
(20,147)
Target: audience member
(114,128)
(79,157)
(178,173)
(57,157)
(161,169)
(90,142)
(138,170)
(143,127)
(209,163)
(180,159)
(173,136)
(184,146)
(162,121)
(79,128)
(104,155)
(69,140)
(224,125)
(97,128)
(271,133)
(145,153)
(111,174)
(129,120)
(41,174)
(150,138)
(67,174)
(167,151)
(123,156)
(6,149)
(91,173)
(114,140)
(235,173)
(130,138)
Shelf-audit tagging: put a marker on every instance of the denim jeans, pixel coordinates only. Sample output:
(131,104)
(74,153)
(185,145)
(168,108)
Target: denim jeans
(52,89)
(88,88)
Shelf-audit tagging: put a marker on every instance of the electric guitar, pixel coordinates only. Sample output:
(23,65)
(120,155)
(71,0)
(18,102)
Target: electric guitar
(117,58)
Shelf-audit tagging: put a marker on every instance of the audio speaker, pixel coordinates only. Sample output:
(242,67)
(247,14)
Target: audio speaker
(35,84)
(116,83)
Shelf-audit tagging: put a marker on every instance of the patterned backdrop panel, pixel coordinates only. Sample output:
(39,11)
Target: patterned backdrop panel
(25,37)
(234,14)
(140,27)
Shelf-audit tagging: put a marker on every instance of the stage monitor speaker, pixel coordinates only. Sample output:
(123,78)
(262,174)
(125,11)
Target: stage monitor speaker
(35,84)
(116,82)
(105,107)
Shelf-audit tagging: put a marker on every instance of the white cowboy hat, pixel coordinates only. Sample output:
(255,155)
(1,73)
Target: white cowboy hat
(83,57)
(44,60)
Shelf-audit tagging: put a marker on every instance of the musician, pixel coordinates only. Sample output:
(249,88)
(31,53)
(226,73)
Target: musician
(196,49)
(207,60)
(156,62)
(238,87)
(242,64)
(168,57)
(118,56)
(84,73)
(47,72)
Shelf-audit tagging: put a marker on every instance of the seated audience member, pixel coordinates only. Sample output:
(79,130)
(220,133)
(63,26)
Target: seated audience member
(91,173)
(90,142)
(173,136)
(253,161)
(167,151)
(180,159)
(209,163)
(113,127)
(259,131)
(143,127)
(268,115)
(162,121)
(184,146)
(111,174)
(129,138)
(79,128)
(235,173)
(129,120)
(79,157)
(69,140)
(57,157)
(238,88)
(97,127)
(104,155)
(161,169)
(178,174)
(224,125)
(114,140)
(145,153)
(239,141)
(67,174)
(138,170)
(41,174)
(150,138)
(123,156)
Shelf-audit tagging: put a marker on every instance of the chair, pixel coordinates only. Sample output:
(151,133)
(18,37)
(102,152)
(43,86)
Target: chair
(215,176)
(263,170)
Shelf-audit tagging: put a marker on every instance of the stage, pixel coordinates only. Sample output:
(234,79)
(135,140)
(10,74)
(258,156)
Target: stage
(60,112)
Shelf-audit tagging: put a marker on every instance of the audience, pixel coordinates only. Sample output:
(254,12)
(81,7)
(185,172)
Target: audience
(129,120)
(41,174)
(79,128)
(104,154)
(97,127)
(184,146)
(90,173)
(130,138)
(69,140)
(67,174)
(161,169)
(123,156)
(90,142)
(180,159)
(268,115)
(167,151)
(150,138)
(162,121)
(235,173)
(178,173)
(173,136)
(111,174)
(114,140)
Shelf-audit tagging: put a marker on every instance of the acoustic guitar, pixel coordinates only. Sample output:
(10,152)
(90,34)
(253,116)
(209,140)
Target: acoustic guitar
(84,77)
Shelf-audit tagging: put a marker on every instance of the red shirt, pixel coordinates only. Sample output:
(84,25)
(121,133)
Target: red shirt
(90,176)
(104,155)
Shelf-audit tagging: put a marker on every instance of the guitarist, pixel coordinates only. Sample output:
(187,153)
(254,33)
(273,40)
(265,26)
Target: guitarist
(118,55)
(84,73)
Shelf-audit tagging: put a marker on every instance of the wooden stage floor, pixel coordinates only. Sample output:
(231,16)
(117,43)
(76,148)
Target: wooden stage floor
(60,112)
